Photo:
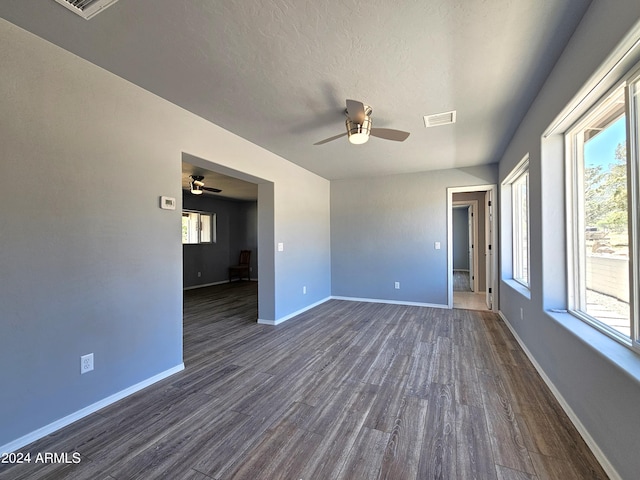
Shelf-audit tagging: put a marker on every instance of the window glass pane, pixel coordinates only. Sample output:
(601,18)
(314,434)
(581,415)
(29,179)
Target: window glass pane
(189,227)
(603,228)
(520,199)
(205,228)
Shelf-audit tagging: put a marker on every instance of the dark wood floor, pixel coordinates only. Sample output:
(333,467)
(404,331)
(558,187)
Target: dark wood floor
(347,390)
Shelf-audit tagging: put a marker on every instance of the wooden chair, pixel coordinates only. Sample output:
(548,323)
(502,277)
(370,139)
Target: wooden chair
(243,268)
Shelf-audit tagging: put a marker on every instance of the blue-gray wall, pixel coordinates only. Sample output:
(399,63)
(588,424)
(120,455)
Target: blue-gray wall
(460,222)
(597,379)
(88,260)
(237,229)
(384,229)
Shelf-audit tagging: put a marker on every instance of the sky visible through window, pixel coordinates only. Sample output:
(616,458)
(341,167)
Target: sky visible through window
(601,149)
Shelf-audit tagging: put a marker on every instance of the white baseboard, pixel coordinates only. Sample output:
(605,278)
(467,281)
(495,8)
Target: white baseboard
(392,302)
(291,315)
(591,443)
(193,287)
(63,422)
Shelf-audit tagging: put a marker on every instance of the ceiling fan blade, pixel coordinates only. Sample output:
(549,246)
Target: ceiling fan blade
(390,134)
(211,189)
(330,139)
(355,110)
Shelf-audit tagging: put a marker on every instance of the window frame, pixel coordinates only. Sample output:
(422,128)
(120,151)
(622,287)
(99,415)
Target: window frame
(574,186)
(520,171)
(212,230)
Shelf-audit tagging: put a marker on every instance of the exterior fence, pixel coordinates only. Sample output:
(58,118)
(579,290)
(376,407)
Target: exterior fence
(609,275)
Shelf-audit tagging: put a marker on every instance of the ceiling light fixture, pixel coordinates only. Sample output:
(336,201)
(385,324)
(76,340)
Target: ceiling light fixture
(359,132)
(196,184)
(195,189)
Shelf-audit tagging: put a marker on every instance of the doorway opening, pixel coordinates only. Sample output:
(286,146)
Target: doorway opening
(242,210)
(471,240)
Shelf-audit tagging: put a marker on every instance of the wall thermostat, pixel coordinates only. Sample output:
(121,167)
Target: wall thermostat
(167,203)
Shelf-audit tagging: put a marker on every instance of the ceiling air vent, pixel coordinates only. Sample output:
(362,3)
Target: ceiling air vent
(438,119)
(86,8)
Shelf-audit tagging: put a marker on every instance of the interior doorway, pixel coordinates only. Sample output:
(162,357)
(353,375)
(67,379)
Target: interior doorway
(244,214)
(465,244)
(471,240)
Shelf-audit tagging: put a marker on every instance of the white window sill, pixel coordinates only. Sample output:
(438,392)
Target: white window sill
(518,287)
(618,354)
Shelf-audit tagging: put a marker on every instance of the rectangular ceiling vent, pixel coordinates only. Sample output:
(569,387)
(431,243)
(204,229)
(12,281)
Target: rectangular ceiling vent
(438,119)
(86,8)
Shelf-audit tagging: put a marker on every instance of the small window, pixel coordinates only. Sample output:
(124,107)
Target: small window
(516,187)
(198,227)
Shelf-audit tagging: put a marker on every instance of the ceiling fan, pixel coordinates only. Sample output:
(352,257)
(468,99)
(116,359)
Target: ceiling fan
(359,127)
(197,185)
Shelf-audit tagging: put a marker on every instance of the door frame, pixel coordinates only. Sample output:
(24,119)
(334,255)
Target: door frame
(491,256)
(472,209)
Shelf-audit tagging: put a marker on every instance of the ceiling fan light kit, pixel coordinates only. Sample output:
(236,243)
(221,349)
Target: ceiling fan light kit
(358,133)
(197,185)
(358,124)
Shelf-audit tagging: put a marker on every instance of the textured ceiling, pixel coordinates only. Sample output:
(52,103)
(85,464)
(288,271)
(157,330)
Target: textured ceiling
(277,72)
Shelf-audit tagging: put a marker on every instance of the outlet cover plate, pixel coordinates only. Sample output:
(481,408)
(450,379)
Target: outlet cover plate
(86,363)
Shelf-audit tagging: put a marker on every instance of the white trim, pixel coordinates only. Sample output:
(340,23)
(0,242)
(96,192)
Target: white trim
(193,287)
(83,412)
(291,315)
(509,215)
(491,259)
(262,321)
(473,268)
(591,443)
(391,302)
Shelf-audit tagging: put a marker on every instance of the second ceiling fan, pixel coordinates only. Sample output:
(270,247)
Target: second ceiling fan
(359,126)
(197,185)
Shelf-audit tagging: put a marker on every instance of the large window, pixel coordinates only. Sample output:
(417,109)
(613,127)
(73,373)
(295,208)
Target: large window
(603,212)
(516,188)
(198,227)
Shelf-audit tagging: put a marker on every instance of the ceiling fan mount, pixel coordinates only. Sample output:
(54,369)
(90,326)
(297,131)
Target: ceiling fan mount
(359,126)
(197,185)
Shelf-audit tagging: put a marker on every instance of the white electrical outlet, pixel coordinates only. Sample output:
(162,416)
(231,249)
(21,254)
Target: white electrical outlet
(199,274)
(397,285)
(86,363)
(304,290)
(436,245)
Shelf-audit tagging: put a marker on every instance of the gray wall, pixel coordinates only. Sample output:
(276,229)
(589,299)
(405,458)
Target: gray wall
(383,230)
(237,229)
(460,223)
(89,262)
(598,379)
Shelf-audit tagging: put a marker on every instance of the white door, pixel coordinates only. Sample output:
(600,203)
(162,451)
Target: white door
(489,244)
(472,272)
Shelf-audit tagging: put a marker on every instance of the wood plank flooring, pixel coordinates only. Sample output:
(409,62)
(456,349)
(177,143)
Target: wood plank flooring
(461,282)
(347,390)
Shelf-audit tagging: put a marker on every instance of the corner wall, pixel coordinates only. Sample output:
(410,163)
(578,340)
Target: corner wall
(384,229)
